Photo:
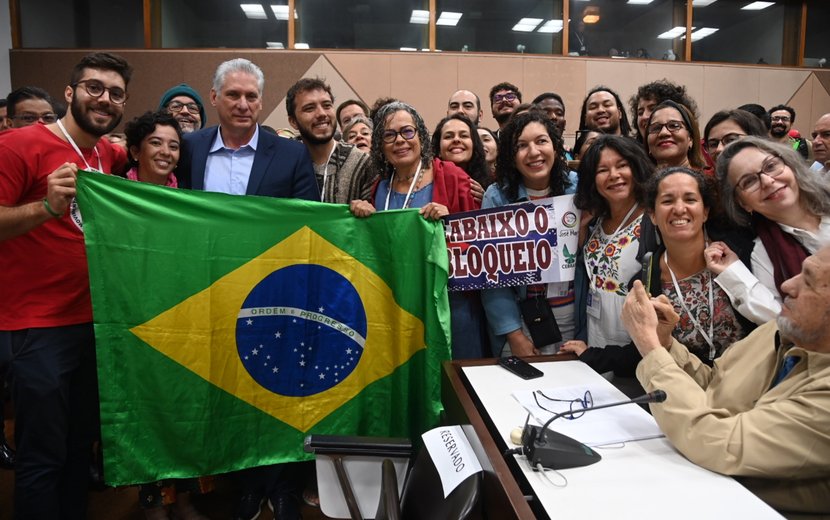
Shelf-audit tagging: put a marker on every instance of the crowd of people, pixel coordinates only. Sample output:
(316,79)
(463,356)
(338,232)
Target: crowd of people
(727,315)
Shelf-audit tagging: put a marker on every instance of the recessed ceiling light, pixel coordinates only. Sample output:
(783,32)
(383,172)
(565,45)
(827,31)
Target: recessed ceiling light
(703,32)
(640,2)
(448,18)
(281,12)
(254,11)
(301,46)
(409,49)
(672,34)
(527,24)
(551,26)
(274,45)
(419,16)
(757,6)
(702,3)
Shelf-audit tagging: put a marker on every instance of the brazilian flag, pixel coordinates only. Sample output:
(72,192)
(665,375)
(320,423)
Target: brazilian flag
(229,327)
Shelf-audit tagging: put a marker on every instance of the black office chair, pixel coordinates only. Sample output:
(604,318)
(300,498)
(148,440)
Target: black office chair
(422,496)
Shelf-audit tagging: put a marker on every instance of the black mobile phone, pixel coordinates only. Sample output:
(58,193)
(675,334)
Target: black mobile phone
(520,367)
(645,277)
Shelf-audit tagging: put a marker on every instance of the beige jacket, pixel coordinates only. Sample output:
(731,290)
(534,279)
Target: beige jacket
(727,418)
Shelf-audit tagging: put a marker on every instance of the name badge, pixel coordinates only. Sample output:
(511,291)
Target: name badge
(594,309)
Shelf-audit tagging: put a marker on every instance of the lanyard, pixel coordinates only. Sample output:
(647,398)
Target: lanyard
(78,150)
(592,272)
(691,316)
(326,173)
(415,179)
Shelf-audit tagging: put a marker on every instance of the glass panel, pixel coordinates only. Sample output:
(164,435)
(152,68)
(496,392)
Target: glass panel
(363,24)
(218,23)
(634,29)
(818,34)
(519,26)
(91,24)
(766,34)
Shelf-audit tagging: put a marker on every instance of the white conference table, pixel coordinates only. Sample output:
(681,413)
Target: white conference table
(646,479)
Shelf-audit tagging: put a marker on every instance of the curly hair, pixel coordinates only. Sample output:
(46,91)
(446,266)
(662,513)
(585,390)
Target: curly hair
(625,126)
(814,192)
(381,119)
(587,194)
(508,175)
(144,125)
(477,167)
(659,91)
(694,154)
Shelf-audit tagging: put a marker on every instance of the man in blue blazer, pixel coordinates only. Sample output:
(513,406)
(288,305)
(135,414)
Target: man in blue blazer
(236,156)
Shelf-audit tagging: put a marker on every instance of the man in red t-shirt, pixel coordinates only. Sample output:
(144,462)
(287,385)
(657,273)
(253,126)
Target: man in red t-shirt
(46,333)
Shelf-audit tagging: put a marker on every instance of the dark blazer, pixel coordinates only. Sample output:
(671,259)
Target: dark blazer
(282,168)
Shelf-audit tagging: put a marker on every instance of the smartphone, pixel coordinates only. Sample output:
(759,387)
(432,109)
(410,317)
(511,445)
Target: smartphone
(520,367)
(645,276)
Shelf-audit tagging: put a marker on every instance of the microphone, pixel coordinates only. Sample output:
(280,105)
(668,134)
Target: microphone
(553,450)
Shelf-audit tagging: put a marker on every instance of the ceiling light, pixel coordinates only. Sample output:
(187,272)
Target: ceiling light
(640,2)
(672,34)
(591,14)
(757,6)
(408,49)
(448,18)
(419,16)
(254,11)
(702,3)
(274,45)
(551,26)
(703,32)
(301,46)
(281,12)
(527,24)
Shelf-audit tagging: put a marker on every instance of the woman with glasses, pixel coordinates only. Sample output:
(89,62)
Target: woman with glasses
(673,137)
(411,178)
(530,167)
(727,126)
(686,270)
(456,140)
(769,187)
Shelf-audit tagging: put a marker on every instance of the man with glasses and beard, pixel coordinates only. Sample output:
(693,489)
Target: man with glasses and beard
(184,104)
(504,98)
(342,171)
(46,330)
(782,119)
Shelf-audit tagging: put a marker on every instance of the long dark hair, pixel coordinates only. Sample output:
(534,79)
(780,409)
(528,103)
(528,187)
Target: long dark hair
(477,167)
(509,177)
(587,195)
(625,126)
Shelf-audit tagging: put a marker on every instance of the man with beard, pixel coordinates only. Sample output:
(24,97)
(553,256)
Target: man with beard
(504,98)
(782,119)
(343,172)
(183,103)
(467,103)
(46,314)
(762,412)
(603,110)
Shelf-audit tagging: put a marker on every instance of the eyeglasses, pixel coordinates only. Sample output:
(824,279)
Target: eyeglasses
(33,118)
(771,167)
(407,132)
(96,89)
(507,96)
(177,106)
(783,119)
(712,144)
(672,126)
(577,406)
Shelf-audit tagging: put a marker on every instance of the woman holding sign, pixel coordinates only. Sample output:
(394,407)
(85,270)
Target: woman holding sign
(529,168)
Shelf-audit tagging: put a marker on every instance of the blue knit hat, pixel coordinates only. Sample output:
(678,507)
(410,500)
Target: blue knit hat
(184,89)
